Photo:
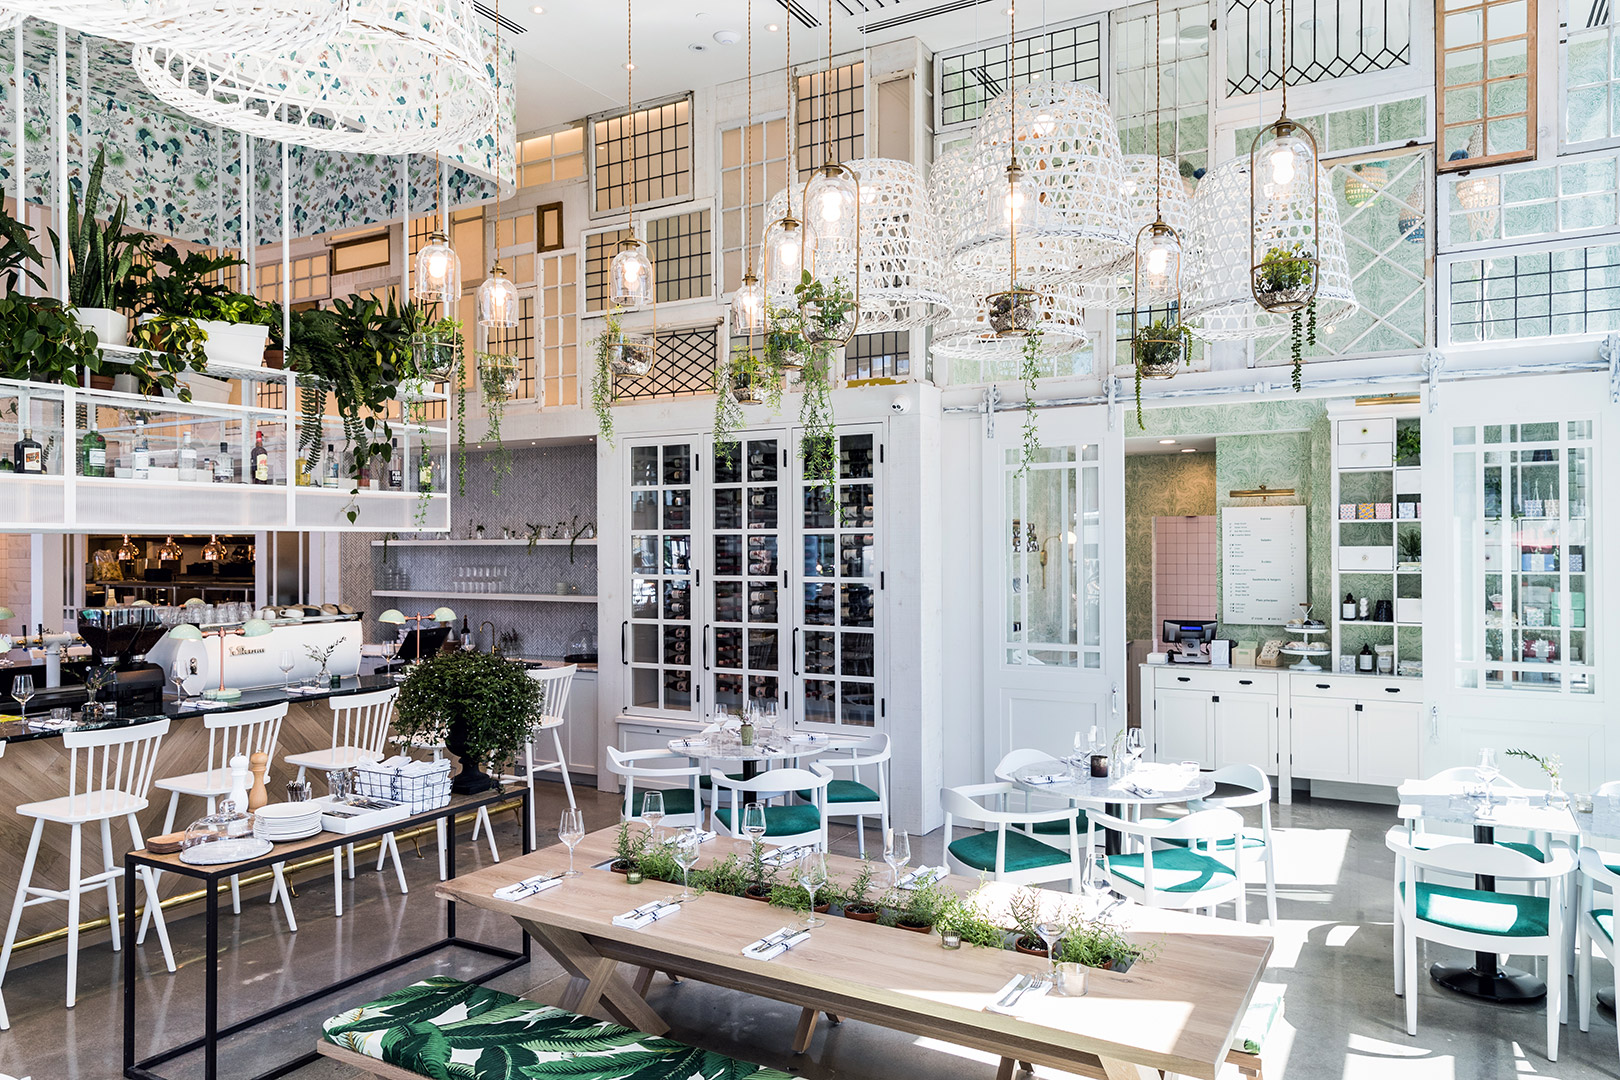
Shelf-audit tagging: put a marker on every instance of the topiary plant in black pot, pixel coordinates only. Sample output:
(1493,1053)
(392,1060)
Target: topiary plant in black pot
(481,706)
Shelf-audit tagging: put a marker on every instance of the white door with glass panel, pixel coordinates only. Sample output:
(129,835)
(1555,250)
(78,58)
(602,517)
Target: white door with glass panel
(1054,595)
(1519,484)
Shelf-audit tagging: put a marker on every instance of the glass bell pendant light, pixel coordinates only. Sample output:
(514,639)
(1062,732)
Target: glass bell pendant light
(630,276)
(1158,348)
(438,271)
(748,306)
(832,231)
(497,300)
(1285,209)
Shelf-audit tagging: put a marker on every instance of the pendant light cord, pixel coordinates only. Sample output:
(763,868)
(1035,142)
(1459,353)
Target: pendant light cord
(747,132)
(497,152)
(1283,68)
(792,101)
(826,98)
(1158,114)
(630,113)
(1012,143)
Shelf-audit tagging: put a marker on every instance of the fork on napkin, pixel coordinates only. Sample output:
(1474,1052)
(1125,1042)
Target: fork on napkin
(1140,789)
(1045,778)
(784,855)
(771,946)
(923,874)
(647,914)
(529,887)
(1019,987)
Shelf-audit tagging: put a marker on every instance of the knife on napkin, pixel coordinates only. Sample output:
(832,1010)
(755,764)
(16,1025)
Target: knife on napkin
(529,887)
(647,914)
(771,946)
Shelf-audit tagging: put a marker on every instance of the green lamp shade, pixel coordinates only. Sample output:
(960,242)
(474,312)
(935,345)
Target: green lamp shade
(256,628)
(7,613)
(195,601)
(393,616)
(186,632)
(444,614)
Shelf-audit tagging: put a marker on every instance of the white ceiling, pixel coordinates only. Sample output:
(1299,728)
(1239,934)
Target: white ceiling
(571,57)
(1154,444)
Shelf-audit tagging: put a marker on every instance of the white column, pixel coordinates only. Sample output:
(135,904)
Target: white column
(62,160)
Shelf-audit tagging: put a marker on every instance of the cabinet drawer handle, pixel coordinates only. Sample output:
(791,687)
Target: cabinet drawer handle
(1183,678)
(1324,686)
(1245,682)
(1392,689)
(624,645)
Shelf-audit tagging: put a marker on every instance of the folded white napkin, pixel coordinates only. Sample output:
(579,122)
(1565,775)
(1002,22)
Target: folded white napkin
(1046,778)
(1018,1003)
(784,855)
(306,689)
(646,914)
(206,703)
(771,946)
(705,836)
(529,887)
(47,724)
(1142,790)
(923,874)
(812,736)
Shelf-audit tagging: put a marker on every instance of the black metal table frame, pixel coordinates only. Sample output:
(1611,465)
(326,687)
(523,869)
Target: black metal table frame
(212,877)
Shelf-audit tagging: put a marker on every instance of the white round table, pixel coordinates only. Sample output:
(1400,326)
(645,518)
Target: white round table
(1110,790)
(765,749)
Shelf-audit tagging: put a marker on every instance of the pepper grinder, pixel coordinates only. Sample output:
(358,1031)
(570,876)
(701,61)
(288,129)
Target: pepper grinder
(259,795)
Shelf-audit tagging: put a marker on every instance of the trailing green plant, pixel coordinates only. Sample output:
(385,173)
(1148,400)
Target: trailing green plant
(784,348)
(1285,269)
(99,257)
(823,309)
(1408,443)
(1158,345)
(728,412)
(602,379)
(496,373)
(492,701)
(168,345)
(1030,372)
(968,919)
(818,445)
(1100,943)
(461,429)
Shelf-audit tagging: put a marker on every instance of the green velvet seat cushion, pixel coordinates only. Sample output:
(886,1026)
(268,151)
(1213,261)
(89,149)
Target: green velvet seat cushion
(782,820)
(840,791)
(676,801)
(1604,917)
(443,1027)
(1423,843)
(978,850)
(1253,840)
(1479,912)
(1175,870)
(705,783)
(1061,828)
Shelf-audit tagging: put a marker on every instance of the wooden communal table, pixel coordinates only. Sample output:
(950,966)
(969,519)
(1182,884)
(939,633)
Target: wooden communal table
(213,878)
(1177,1013)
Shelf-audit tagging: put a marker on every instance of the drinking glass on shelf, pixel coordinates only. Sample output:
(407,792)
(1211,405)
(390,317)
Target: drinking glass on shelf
(286,666)
(652,810)
(810,874)
(897,851)
(22,688)
(686,857)
(571,830)
(753,822)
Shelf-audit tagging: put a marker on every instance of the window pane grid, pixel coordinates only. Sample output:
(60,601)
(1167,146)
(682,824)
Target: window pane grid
(547,159)
(878,356)
(1486,76)
(767,170)
(559,337)
(1528,203)
(310,279)
(1542,294)
(846,109)
(599,251)
(970,78)
(682,367)
(657,141)
(1350,37)
(681,248)
(518,341)
(1183,46)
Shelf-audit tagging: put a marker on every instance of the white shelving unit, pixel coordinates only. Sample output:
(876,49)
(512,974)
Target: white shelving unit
(533,598)
(494,542)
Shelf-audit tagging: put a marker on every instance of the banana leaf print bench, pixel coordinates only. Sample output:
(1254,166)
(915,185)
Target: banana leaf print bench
(447,1029)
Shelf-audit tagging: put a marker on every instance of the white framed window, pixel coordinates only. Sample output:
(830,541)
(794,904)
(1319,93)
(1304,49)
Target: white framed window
(551,158)
(844,120)
(1327,40)
(1181,50)
(1538,292)
(767,157)
(559,335)
(967,79)
(1533,201)
(650,149)
(310,277)
(597,253)
(681,248)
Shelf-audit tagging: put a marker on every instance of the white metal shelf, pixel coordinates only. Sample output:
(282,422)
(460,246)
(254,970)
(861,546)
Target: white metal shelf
(492,542)
(533,598)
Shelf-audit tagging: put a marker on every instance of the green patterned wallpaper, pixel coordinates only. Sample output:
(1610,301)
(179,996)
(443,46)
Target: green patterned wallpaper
(1157,485)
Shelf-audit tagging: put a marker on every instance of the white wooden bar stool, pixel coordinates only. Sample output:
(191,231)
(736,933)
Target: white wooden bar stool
(247,732)
(117,773)
(554,686)
(359,734)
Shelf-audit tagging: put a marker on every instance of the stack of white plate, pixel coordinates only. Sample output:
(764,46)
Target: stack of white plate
(279,822)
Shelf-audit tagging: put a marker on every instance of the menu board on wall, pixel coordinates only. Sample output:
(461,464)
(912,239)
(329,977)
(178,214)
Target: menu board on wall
(1262,563)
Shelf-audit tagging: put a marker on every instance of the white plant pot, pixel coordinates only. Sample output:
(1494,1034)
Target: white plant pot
(235,344)
(110,327)
(203,388)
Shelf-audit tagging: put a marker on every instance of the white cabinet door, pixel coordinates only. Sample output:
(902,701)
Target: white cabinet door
(1246,730)
(579,733)
(1182,722)
(1387,742)
(1323,731)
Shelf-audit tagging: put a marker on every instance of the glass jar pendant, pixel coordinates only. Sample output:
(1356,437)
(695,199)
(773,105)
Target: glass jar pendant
(497,300)
(783,259)
(438,271)
(630,276)
(1285,217)
(748,307)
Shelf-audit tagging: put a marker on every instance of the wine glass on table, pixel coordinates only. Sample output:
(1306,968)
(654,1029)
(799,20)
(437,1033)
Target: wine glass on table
(753,822)
(22,688)
(1486,770)
(1051,926)
(652,811)
(687,846)
(1133,747)
(286,665)
(1094,883)
(571,830)
(897,852)
(810,874)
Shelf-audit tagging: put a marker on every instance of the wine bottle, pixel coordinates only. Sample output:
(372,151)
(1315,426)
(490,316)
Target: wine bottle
(92,448)
(142,455)
(259,460)
(27,454)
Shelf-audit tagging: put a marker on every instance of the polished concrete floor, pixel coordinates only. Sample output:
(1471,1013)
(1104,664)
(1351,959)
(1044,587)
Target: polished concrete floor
(1342,1022)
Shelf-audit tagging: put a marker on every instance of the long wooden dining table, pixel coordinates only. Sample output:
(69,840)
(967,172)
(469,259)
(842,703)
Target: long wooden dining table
(1176,1012)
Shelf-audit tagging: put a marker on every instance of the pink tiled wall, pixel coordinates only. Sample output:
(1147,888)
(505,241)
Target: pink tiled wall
(1184,560)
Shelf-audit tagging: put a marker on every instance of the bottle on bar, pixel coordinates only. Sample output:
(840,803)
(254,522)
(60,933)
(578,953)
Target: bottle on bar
(27,455)
(224,470)
(142,454)
(259,460)
(331,467)
(92,447)
(396,474)
(188,453)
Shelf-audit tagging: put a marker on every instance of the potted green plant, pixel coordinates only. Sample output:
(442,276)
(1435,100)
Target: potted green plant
(498,377)
(1409,442)
(1024,912)
(99,259)
(1013,312)
(480,705)
(727,876)
(1284,282)
(918,908)
(784,350)
(1411,546)
(1099,943)
(828,314)
(968,921)
(761,875)
(238,326)
(859,904)
(436,344)
(628,846)
(657,862)
(1158,350)
(628,356)
(793,897)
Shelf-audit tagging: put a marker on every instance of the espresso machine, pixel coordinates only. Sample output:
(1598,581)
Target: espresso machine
(120,638)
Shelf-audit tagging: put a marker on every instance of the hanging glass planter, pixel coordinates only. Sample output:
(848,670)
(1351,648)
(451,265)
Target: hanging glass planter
(435,353)
(629,356)
(630,276)
(1014,312)
(828,292)
(1285,209)
(438,272)
(498,374)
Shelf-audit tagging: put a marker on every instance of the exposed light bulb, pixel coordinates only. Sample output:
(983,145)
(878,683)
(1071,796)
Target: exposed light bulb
(1282,166)
(1013,204)
(789,256)
(632,271)
(436,263)
(830,207)
(1157,260)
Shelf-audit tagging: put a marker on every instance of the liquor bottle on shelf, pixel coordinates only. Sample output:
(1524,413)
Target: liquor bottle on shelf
(188,453)
(396,473)
(467,642)
(424,473)
(92,447)
(259,460)
(141,456)
(224,468)
(331,467)
(1366,660)
(27,455)
(301,476)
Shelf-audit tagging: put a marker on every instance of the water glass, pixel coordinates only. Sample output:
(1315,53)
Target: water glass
(686,852)
(571,830)
(1070,980)
(753,821)
(897,851)
(810,874)
(652,811)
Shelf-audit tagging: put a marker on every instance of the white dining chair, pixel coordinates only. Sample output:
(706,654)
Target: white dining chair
(1254,844)
(1056,832)
(852,797)
(1188,875)
(555,684)
(682,806)
(791,823)
(1004,849)
(1594,926)
(1479,920)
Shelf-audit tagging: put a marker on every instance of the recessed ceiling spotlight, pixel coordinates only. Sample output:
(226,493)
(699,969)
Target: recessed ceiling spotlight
(1189,449)
(773,28)
(727,37)
(698,46)
(1167,442)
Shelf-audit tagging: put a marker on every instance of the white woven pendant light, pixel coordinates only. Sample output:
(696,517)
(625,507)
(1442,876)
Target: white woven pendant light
(1074,224)
(403,77)
(191,24)
(1220,300)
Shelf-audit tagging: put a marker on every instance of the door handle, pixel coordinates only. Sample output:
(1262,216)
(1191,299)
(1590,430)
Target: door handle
(624,643)
(1113,700)
(1434,723)
(794,649)
(705,646)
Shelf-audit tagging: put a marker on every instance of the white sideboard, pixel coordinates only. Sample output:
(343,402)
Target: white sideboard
(1343,729)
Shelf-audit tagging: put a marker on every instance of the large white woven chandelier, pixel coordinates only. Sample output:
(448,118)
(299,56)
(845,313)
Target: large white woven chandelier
(188,24)
(1220,302)
(402,77)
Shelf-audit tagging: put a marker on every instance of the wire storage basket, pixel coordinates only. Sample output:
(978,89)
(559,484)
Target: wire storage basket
(423,785)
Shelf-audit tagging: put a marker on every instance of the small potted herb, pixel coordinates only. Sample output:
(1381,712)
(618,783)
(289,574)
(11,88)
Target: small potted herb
(1285,283)
(628,846)
(858,902)
(760,874)
(794,897)
(1157,351)
(1024,911)
(658,863)
(727,876)
(1099,943)
(828,313)
(917,909)
(968,921)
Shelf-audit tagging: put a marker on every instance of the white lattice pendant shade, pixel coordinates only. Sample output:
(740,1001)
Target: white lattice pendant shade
(188,24)
(1074,224)
(1218,298)
(966,334)
(1176,206)
(403,77)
